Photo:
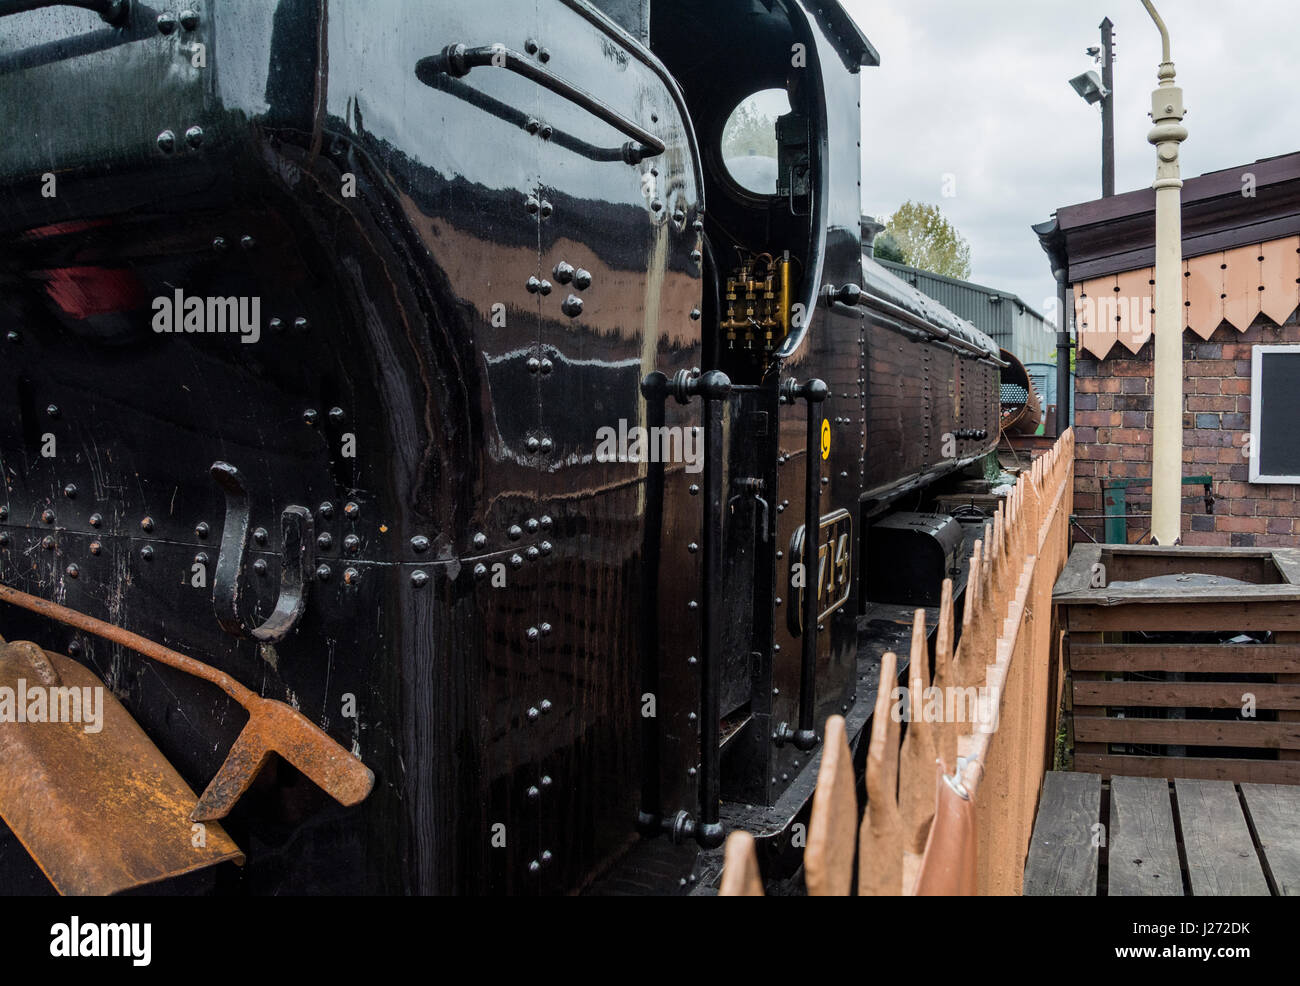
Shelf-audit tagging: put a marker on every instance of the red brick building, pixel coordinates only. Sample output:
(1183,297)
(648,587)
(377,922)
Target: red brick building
(1241,292)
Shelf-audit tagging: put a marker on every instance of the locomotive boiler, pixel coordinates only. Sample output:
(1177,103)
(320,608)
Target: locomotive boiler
(440,373)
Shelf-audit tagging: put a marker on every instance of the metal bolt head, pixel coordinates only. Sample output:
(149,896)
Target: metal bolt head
(419,579)
(543,55)
(47,542)
(547,444)
(309,418)
(516,561)
(351,510)
(351,576)
(546,522)
(532,552)
(532,444)
(530,46)
(96,520)
(545,629)
(546,366)
(515,532)
(533,714)
(259,566)
(532,525)
(53,411)
(324,541)
(194,136)
(47,516)
(72,571)
(352,544)
(323,573)
(419,544)
(260,535)
(247,242)
(96,547)
(546,547)
(70,491)
(337,415)
(201,530)
(146,525)
(147,552)
(166,142)
(480,570)
(480,540)
(546,209)
(189,20)
(692,547)
(582,279)
(166,22)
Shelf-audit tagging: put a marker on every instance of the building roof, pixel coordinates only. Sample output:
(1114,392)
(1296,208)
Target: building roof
(1239,206)
(991,295)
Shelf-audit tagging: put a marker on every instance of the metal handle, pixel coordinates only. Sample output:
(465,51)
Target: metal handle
(458,61)
(814,392)
(298,547)
(114,12)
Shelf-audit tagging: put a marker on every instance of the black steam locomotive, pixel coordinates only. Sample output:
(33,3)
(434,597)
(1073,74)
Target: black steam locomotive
(529,392)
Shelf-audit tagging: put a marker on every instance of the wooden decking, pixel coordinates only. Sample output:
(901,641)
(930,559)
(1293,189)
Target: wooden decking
(1151,837)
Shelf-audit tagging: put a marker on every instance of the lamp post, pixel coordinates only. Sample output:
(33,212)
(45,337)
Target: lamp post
(1166,134)
(1101,89)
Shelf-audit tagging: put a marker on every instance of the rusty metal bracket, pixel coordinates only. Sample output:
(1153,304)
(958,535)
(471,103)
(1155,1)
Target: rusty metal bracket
(298,557)
(272,726)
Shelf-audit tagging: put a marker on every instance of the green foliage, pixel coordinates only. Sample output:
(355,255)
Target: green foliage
(928,241)
(885,247)
(749,131)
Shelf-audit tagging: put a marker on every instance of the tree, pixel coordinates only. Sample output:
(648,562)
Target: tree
(928,240)
(885,247)
(749,132)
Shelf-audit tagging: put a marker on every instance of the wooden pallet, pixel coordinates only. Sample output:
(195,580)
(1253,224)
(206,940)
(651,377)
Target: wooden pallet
(1148,837)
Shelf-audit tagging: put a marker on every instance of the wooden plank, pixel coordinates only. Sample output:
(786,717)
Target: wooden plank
(1221,857)
(1062,859)
(1188,732)
(1199,768)
(1274,811)
(1186,695)
(1218,658)
(1143,857)
(1183,615)
(833,825)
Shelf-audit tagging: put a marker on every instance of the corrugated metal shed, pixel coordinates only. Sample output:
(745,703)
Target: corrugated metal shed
(1003,317)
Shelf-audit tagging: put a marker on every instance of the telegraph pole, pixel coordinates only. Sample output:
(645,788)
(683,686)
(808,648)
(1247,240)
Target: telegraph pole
(1107,108)
(1167,133)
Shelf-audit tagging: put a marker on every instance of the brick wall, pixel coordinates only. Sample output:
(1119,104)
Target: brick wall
(1113,439)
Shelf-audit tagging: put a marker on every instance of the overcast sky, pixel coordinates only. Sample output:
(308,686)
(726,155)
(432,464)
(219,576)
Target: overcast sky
(979,90)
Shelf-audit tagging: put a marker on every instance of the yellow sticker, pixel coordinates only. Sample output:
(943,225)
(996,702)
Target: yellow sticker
(826,439)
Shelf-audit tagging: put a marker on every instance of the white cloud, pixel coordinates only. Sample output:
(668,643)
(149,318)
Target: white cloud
(980,91)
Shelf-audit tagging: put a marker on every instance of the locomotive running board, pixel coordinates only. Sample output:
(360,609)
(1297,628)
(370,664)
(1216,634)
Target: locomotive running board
(89,796)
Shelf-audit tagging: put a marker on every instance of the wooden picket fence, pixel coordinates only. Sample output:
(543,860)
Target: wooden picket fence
(951,801)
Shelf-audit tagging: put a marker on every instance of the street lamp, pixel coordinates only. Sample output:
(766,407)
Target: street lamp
(1100,89)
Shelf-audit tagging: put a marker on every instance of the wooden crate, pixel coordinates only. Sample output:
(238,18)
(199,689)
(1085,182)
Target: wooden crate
(1145,672)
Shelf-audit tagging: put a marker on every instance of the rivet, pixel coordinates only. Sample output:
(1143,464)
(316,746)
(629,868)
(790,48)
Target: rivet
(351,576)
(776,691)
(201,558)
(543,55)
(166,22)
(516,561)
(12,336)
(656,206)
(532,444)
(219,244)
(96,520)
(323,573)
(96,547)
(47,516)
(352,544)
(276,324)
(692,605)
(147,552)
(582,279)
(530,46)
(259,566)
(480,570)
(189,20)
(74,648)
(546,704)
(534,866)
(545,522)
(692,661)
(532,126)
(545,288)
(194,136)
(694,489)
(309,418)
(691,717)
(533,364)
(351,510)
(533,285)
(480,540)
(547,445)
(533,792)
(696,257)
(545,547)
(4,512)
(201,530)
(777,600)
(547,209)
(72,571)
(679,216)
(546,781)
(692,547)
(419,544)
(300,323)
(70,491)
(533,712)
(532,553)
(4,539)
(419,579)
(515,532)
(563,272)
(698,225)
(531,205)
(337,415)
(325,541)
(690,771)
(260,535)
(166,141)
(53,411)
(547,366)
(545,629)
(247,242)
(695,314)
(546,131)
(146,525)
(532,525)
(47,542)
